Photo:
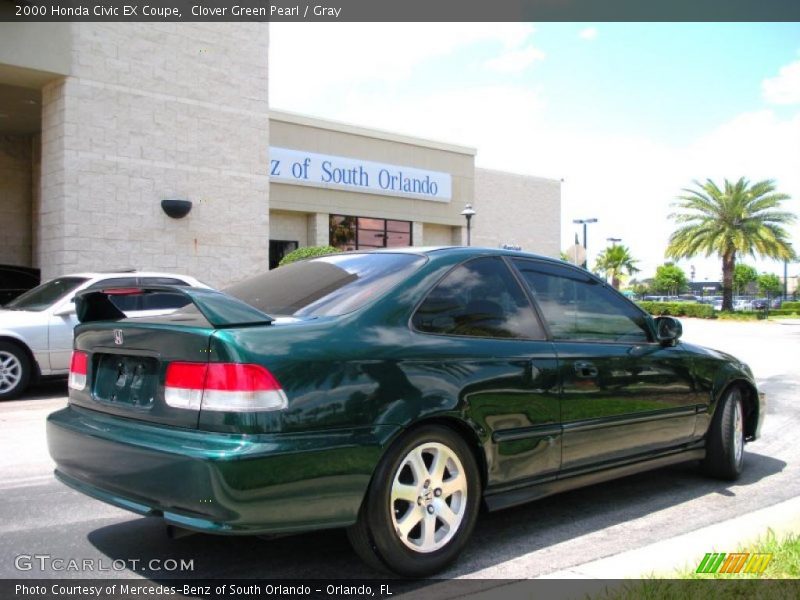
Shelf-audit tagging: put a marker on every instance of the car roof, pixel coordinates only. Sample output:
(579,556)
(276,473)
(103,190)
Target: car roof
(462,250)
(113,274)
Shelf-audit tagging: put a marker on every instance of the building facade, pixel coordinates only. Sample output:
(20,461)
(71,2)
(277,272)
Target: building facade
(101,122)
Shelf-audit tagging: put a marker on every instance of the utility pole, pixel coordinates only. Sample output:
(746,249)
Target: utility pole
(584,222)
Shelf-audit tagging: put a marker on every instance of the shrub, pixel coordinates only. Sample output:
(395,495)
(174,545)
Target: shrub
(679,309)
(784,312)
(795,306)
(307,252)
(756,315)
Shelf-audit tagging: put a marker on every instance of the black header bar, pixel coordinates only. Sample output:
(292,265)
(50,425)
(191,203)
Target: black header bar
(399,10)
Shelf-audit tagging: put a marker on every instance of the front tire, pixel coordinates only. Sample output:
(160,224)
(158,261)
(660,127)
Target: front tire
(421,506)
(725,441)
(15,371)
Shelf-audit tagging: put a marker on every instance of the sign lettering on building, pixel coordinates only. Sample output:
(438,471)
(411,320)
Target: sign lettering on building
(353,174)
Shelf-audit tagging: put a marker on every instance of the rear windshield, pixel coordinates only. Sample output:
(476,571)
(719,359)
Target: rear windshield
(41,297)
(325,286)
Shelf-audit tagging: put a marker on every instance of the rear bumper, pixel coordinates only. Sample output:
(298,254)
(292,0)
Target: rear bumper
(216,482)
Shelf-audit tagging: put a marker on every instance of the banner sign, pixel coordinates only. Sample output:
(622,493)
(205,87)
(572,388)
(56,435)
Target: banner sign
(356,175)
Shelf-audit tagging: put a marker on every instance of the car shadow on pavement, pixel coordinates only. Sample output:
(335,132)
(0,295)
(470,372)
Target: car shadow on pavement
(499,537)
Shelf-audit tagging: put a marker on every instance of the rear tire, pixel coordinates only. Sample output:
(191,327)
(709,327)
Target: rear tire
(421,506)
(15,371)
(725,441)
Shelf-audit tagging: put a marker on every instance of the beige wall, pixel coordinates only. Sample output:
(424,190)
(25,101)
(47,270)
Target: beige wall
(153,111)
(326,137)
(289,226)
(517,209)
(16,193)
(440,235)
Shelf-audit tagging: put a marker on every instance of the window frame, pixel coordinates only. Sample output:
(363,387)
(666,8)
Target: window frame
(585,277)
(520,284)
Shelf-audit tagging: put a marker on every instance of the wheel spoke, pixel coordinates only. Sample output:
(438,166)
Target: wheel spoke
(429,532)
(404,491)
(438,466)
(453,485)
(418,467)
(407,523)
(446,515)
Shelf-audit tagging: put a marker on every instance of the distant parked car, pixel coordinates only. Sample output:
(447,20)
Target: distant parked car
(16,280)
(36,327)
(759,304)
(776,303)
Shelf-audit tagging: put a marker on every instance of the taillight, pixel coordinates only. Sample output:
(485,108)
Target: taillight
(77,370)
(228,387)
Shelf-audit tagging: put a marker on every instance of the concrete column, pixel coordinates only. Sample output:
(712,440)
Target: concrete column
(16,192)
(318,229)
(153,111)
(417,234)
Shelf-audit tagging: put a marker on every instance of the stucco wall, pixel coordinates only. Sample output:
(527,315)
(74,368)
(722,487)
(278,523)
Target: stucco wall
(289,226)
(153,111)
(16,191)
(517,209)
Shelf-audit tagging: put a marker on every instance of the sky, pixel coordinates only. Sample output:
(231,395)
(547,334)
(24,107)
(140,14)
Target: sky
(626,114)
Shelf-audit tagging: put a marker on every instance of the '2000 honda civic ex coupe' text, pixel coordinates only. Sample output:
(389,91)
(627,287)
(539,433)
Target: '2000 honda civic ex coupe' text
(390,392)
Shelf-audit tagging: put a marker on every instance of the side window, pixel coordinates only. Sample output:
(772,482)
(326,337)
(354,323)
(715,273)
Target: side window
(580,308)
(479,298)
(124,303)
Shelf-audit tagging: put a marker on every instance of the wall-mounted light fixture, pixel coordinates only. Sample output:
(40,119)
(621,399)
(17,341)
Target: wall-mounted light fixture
(177,209)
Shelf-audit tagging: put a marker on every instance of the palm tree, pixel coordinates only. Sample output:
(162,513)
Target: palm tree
(739,219)
(616,261)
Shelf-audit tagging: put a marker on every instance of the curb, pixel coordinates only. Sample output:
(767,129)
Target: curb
(685,551)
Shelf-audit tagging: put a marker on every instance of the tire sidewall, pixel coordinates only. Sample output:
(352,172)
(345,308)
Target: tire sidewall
(396,555)
(732,399)
(25,363)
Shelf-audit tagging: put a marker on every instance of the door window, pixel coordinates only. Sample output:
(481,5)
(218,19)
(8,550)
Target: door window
(578,307)
(479,298)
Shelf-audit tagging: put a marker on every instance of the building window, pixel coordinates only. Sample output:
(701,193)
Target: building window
(357,233)
(278,249)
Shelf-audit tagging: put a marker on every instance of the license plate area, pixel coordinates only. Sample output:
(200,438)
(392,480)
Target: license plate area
(126,380)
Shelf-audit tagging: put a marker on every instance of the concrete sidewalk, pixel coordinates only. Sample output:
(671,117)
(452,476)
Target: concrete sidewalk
(685,551)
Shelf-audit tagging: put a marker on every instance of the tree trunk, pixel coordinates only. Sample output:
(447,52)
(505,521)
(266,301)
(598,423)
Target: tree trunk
(615,282)
(728,267)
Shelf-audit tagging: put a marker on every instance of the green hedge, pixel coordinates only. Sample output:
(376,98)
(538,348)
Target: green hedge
(307,252)
(679,309)
(795,306)
(784,312)
(751,315)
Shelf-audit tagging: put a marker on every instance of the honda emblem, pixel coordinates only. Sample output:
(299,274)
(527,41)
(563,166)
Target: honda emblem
(118,339)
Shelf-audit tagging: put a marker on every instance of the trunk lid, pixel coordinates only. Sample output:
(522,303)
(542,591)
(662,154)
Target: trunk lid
(127,358)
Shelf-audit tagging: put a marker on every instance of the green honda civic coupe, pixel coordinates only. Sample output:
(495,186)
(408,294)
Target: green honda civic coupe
(393,393)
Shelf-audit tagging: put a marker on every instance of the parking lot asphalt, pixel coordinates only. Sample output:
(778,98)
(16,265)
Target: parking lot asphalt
(40,516)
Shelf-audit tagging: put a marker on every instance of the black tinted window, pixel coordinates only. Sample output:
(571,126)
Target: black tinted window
(44,295)
(577,307)
(328,285)
(163,301)
(162,281)
(479,298)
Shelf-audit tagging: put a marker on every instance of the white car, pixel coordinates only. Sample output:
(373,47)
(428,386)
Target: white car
(36,327)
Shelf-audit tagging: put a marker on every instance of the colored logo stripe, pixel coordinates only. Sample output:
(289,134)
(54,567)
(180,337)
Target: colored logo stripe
(737,562)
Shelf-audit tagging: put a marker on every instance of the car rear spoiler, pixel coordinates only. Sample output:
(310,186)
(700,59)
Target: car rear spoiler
(219,309)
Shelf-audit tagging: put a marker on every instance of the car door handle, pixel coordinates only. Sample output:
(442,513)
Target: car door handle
(585,370)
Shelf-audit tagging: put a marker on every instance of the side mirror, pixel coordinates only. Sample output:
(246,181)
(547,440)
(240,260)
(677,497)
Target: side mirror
(65,311)
(668,330)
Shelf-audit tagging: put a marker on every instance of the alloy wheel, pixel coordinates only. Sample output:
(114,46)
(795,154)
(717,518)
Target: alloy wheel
(10,371)
(428,497)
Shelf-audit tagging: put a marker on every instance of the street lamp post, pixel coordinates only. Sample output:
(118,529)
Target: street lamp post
(469,212)
(584,222)
(613,240)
